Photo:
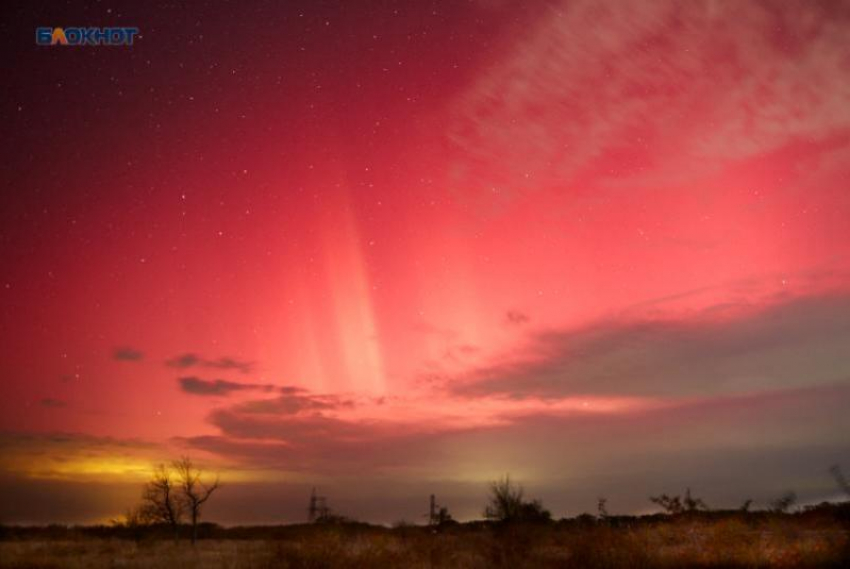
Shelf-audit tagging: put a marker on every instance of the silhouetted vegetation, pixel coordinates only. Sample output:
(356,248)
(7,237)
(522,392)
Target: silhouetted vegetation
(508,505)
(169,496)
(161,502)
(842,482)
(784,502)
(815,536)
(517,533)
(438,515)
(194,490)
(675,505)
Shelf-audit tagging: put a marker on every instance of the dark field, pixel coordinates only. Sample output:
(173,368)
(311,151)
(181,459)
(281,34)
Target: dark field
(734,541)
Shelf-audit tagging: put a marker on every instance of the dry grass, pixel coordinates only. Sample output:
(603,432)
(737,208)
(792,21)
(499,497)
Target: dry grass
(727,543)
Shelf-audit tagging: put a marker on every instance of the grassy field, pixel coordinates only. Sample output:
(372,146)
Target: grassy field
(668,544)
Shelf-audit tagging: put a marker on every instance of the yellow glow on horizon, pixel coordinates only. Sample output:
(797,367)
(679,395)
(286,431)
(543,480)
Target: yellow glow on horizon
(85,469)
(131,469)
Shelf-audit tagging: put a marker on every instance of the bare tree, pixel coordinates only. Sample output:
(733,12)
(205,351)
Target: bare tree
(840,479)
(507,504)
(505,500)
(675,505)
(194,491)
(782,504)
(671,504)
(692,504)
(161,501)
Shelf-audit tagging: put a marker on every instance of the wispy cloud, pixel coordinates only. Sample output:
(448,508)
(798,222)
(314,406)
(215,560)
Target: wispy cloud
(217,387)
(790,343)
(291,404)
(189,360)
(516,318)
(74,456)
(183,361)
(230,363)
(555,115)
(127,354)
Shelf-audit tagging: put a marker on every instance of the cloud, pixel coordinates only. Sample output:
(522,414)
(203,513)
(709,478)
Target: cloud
(66,477)
(224,363)
(73,455)
(695,86)
(767,442)
(319,443)
(184,361)
(217,387)
(292,429)
(516,317)
(291,404)
(789,343)
(51,403)
(230,363)
(127,354)
(301,431)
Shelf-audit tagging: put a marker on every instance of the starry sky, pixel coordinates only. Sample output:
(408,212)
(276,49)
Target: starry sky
(391,249)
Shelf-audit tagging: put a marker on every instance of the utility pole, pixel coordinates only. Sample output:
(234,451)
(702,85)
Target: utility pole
(318,507)
(314,502)
(437,514)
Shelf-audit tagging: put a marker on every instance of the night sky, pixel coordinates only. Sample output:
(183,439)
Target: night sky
(391,249)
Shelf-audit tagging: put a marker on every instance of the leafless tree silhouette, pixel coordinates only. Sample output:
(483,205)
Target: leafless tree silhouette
(507,504)
(677,505)
(784,502)
(840,479)
(161,501)
(194,491)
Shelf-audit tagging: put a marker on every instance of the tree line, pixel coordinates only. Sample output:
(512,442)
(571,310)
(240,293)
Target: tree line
(176,494)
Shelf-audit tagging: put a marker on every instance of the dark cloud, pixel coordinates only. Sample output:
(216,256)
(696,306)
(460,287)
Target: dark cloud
(728,448)
(51,402)
(766,443)
(460,353)
(224,363)
(61,442)
(230,363)
(516,317)
(294,413)
(301,431)
(318,443)
(217,387)
(797,342)
(127,354)
(291,404)
(184,361)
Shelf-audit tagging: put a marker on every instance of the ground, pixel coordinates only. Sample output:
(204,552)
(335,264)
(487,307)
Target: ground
(728,543)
